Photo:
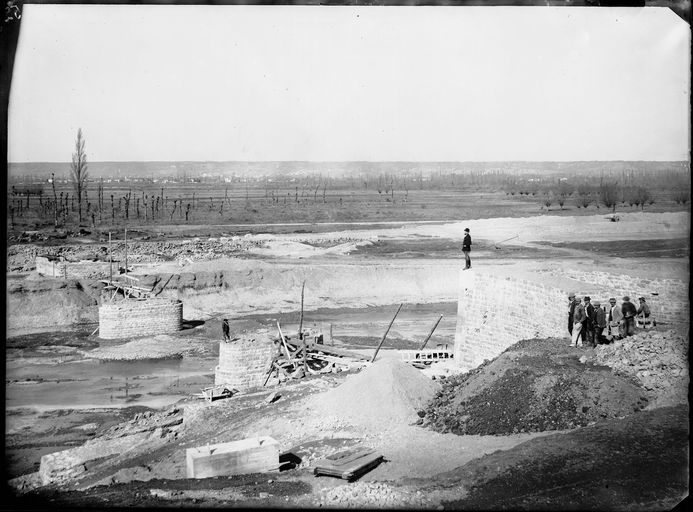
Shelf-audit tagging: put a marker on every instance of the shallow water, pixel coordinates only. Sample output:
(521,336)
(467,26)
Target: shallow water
(49,371)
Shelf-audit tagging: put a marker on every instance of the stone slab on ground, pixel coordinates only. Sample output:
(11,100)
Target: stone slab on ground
(252,455)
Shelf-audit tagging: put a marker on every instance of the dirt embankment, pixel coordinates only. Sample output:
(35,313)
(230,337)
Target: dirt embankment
(247,287)
(34,305)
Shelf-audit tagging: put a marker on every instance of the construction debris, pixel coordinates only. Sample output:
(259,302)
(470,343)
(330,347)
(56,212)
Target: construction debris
(213,393)
(308,356)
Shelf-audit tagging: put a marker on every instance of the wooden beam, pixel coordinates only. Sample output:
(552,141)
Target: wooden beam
(431,333)
(286,349)
(300,325)
(388,330)
(333,351)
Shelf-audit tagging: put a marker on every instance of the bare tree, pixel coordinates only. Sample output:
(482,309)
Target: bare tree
(79,171)
(608,193)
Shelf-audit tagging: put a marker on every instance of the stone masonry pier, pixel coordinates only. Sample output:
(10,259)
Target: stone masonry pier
(493,312)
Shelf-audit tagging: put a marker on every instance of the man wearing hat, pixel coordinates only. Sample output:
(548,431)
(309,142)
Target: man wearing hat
(599,321)
(629,312)
(614,320)
(571,311)
(579,320)
(587,325)
(643,318)
(466,248)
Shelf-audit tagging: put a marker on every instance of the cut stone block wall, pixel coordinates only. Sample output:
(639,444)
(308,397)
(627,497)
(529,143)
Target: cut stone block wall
(50,267)
(244,363)
(140,317)
(667,298)
(493,312)
(60,268)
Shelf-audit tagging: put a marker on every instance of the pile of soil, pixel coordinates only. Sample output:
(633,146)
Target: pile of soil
(387,392)
(657,360)
(545,387)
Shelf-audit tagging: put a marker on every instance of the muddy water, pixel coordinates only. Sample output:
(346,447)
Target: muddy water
(52,371)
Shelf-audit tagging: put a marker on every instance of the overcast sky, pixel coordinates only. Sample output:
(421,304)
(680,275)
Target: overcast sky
(350,83)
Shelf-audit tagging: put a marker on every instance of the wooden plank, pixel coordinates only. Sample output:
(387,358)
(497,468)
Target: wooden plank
(344,362)
(338,352)
(287,353)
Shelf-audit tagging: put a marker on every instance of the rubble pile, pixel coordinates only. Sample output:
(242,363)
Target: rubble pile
(371,495)
(21,257)
(545,389)
(657,360)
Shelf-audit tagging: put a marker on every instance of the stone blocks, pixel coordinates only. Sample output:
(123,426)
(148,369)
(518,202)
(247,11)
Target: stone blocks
(493,312)
(253,455)
(140,317)
(244,363)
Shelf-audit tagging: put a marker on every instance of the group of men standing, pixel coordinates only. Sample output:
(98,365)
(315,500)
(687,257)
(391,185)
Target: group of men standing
(595,325)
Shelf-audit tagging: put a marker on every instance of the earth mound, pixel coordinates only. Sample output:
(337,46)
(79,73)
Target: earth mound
(543,387)
(387,392)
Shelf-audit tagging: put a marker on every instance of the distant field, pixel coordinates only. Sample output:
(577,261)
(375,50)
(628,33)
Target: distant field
(217,204)
(676,248)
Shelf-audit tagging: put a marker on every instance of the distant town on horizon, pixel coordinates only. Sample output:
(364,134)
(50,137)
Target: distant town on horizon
(191,169)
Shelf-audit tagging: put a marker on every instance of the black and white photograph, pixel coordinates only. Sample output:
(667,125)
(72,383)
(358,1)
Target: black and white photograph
(402,255)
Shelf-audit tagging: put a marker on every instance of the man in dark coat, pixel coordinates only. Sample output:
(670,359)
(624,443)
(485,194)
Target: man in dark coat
(643,319)
(629,311)
(588,326)
(599,323)
(225,330)
(466,248)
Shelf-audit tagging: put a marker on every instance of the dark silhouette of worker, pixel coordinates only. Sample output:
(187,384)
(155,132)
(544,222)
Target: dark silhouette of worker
(466,249)
(226,330)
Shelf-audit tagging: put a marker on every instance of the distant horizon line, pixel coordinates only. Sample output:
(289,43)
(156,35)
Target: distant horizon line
(345,161)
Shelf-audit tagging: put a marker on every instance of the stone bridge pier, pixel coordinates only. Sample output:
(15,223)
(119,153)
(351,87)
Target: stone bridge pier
(493,312)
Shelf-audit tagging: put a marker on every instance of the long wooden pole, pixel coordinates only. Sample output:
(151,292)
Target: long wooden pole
(110,257)
(126,251)
(385,335)
(286,348)
(300,325)
(431,333)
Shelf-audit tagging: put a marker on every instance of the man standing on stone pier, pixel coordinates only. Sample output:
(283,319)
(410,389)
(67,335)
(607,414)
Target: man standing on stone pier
(226,332)
(466,248)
